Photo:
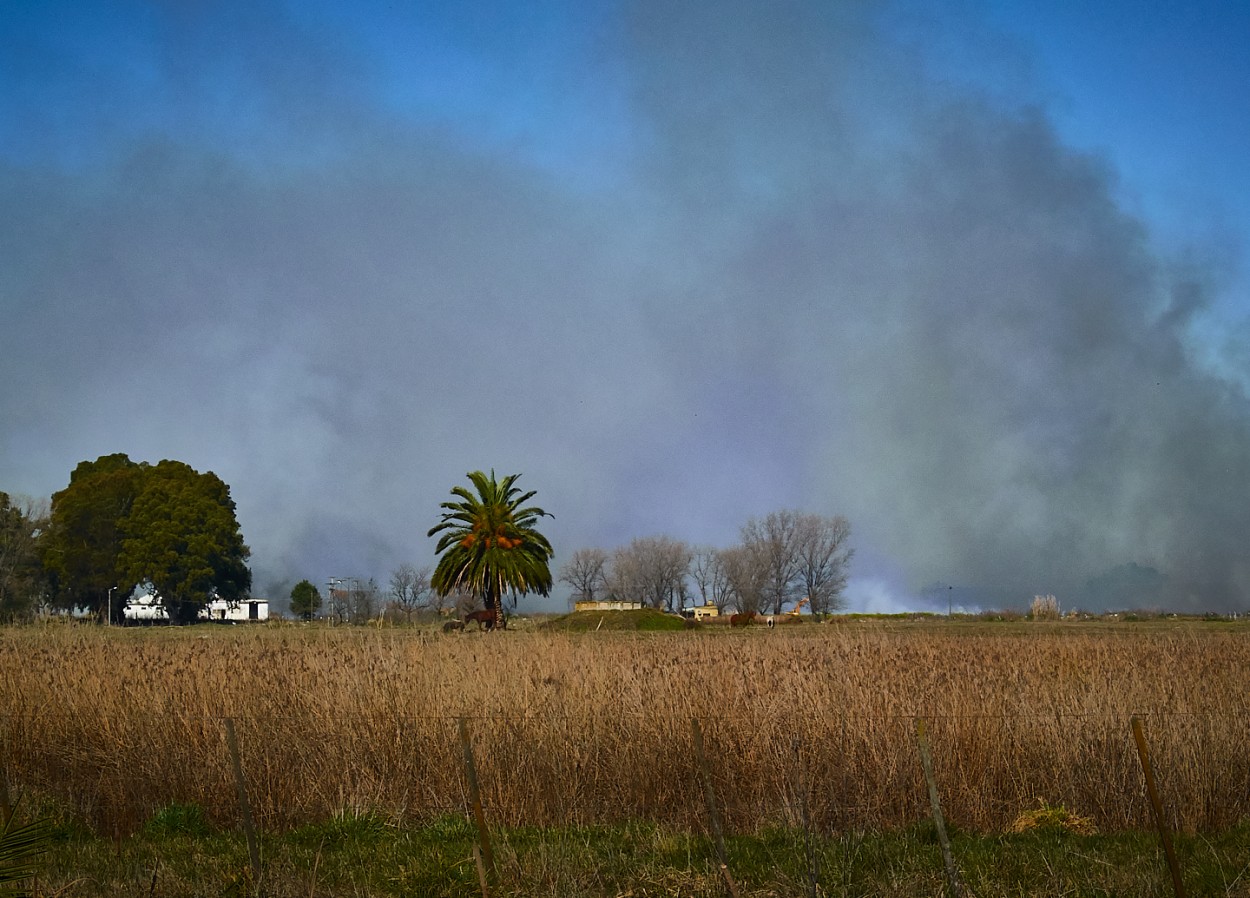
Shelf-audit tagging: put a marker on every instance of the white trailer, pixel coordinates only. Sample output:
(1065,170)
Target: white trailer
(242,610)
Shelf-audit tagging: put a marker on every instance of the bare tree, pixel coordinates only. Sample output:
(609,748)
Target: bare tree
(774,542)
(339,600)
(351,601)
(708,571)
(651,570)
(462,601)
(622,581)
(586,573)
(440,604)
(364,602)
(410,590)
(823,560)
(746,576)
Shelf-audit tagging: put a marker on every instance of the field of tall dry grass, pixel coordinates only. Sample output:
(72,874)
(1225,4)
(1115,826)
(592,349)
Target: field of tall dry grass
(593,727)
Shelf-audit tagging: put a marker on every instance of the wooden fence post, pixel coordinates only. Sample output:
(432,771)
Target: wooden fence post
(475,798)
(809,840)
(1156,806)
(709,796)
(948,858)
(240,785)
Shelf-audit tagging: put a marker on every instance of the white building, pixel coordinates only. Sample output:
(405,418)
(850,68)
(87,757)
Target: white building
(242,610)
(144,609)
(149,609)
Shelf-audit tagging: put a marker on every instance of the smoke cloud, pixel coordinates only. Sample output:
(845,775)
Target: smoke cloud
(719,261)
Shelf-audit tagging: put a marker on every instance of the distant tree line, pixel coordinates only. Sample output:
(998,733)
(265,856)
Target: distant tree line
(122,525)
(118,526)
(408,598)
(778,561)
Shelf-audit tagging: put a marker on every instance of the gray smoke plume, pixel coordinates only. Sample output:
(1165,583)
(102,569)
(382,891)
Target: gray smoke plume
(755,259)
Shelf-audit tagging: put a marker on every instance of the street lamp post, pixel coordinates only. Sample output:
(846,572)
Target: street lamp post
(108,621)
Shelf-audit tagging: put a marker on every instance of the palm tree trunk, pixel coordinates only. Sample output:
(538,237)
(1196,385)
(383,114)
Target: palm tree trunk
(491,599)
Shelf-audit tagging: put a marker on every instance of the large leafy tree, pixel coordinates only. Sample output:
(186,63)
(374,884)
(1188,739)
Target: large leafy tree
(22,522)
(305,599)
(489,545)
(83,541)
(182,537)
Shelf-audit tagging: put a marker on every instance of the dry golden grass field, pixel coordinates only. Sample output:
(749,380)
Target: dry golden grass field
(113,724)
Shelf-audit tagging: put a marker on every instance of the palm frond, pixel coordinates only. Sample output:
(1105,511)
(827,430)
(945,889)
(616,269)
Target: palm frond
(20,847)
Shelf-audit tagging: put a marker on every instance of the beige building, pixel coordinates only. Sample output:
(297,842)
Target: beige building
(701,612)
(607,606)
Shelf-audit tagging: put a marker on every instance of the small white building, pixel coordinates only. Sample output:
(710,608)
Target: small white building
(241,610)
(144,609)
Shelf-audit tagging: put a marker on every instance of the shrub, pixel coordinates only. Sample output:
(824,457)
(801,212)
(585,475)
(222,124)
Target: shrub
(1046,817)
(178,820)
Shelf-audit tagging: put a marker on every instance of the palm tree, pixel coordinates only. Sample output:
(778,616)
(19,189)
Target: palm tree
(20,848)
(489,545)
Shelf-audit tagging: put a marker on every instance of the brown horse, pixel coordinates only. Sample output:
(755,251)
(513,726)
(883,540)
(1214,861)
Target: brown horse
(487,619)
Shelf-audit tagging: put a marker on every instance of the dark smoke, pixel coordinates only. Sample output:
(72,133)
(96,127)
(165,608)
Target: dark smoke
(764,260)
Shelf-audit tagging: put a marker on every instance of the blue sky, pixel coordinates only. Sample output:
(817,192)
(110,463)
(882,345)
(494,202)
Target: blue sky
(1160,89)
(972,274)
